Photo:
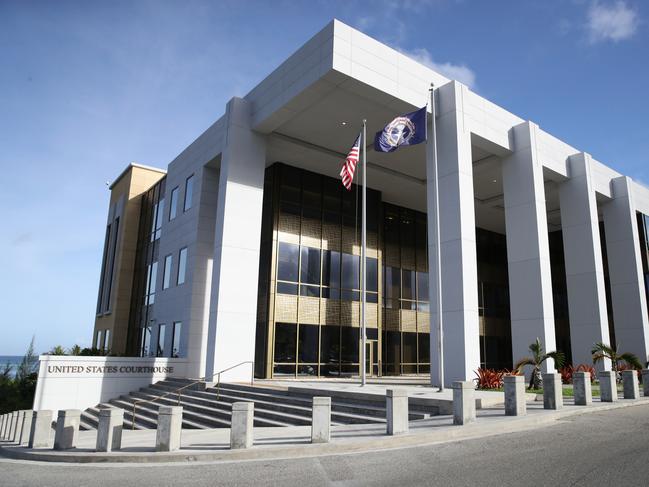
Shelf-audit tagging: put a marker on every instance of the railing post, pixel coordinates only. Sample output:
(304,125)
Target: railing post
(396,410)
(41,430)
(607,386)
(630,381)
(582,388)
(321,420)
(109,429)
(463,402)
(552,391)
(67,429)
(514,395)
(241,425)
(168,435)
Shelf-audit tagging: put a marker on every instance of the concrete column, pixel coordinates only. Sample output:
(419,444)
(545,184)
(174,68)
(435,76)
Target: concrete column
(645,382)
(582,389)
(396,411)
(23,439)
(241,428)
(109,430)
(458,242)
(630,383)
(67,429)
(170,423)
(607,386)
(625,270)
(235,272)
(528,252)
(41,430)
(584,264)
(552,391)
(463,402)
(515,395)
(321,420)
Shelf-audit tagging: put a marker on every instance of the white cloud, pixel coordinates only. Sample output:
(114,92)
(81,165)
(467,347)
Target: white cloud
(614,22)
(459,72)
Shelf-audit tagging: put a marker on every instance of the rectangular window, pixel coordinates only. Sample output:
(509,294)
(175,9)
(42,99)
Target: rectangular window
(287,262)
(331,268)
(156,223)
(175,339)
(310,270)
(152,275)
(182,265)
(102,276)
(146,341)
(166,276)
(161,340)
(173,203)
(351,271)
(111,267)
(106,345)
(189,190)
(98,339)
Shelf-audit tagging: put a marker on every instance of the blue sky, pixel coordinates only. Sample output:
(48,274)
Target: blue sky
(87,87)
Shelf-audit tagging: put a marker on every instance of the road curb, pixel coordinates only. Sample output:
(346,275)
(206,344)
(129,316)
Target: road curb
(431,436)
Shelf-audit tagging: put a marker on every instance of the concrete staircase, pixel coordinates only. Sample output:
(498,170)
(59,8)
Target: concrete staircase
(208,408)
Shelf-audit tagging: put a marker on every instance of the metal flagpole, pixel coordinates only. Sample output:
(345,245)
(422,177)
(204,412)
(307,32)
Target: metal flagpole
(363,257)
(438,252)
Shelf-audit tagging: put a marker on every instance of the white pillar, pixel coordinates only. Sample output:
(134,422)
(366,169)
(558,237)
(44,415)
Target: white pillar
(458,243)
(583,257)
(625,271)
(235,273)
(528,253)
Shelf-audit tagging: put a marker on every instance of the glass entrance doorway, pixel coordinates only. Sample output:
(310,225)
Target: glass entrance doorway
(371,356)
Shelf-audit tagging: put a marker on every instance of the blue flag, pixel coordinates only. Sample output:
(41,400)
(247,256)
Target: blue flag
(408,129)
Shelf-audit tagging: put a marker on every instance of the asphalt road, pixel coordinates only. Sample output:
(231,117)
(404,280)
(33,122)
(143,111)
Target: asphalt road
(606,448)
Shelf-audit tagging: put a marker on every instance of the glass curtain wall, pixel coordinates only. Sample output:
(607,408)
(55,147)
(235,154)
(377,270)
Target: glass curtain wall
(145,272)
(313,300)
(309,292)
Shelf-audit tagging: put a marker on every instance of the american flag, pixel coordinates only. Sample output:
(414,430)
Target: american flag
(349,166)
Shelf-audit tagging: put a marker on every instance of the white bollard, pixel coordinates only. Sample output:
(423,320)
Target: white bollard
(2,426)
(41,430)
(607,386)
(552,391)
(11,433)
(321,420)
(514,395)
(241,425)
(170,423)
(28,416)
(396,411)
(109,429)
(463,402)
(582,389)
(16,424)
(67,429)
(630,384)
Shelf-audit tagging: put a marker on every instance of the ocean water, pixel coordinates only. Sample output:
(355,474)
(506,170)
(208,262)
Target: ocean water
(14,360)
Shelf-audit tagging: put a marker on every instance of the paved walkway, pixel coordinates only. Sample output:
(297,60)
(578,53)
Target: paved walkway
(293,442)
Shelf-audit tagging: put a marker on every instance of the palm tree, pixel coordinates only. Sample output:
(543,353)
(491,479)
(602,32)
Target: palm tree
(536,360)
(602,351)
(57,350)
(75,350)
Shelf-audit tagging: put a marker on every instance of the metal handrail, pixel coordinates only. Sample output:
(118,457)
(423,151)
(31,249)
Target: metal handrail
(197,381)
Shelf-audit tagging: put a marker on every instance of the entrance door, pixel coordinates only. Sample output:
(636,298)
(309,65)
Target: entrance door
(371,356)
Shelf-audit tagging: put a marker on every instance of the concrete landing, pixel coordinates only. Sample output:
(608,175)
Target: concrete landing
(419,392)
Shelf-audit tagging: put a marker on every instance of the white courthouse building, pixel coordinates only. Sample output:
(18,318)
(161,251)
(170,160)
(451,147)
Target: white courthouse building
(247,247)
